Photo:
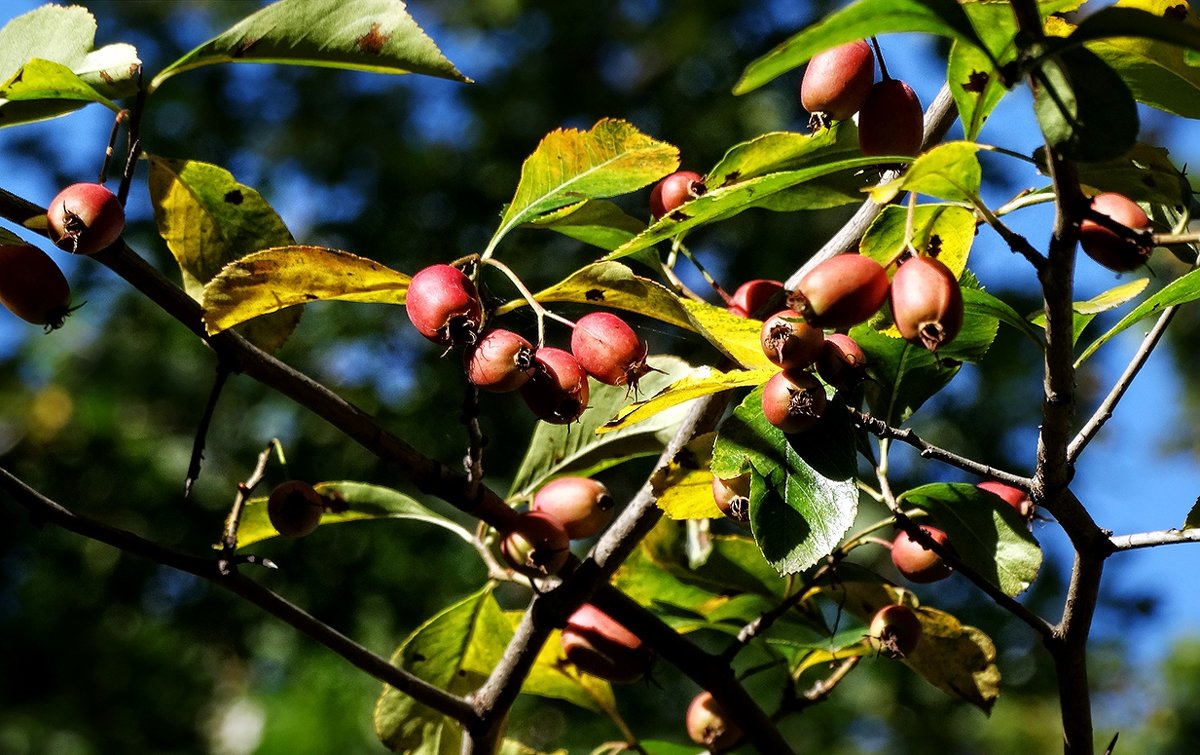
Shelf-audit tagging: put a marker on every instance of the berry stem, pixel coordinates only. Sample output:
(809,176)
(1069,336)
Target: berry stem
(541,312)
(883,71)
(229,539)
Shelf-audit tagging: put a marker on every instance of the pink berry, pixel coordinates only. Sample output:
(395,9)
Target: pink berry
(608,349)
(895,631)
(708,725)
(537,545)
(444,306)
(1108,247)
(601,646)
(85,218)
(502,361)
(793,402)
(581,505)
(752,296)
(671,192)
(836,82)
(558,390)
(841,291)
(927,303)
(891,121)
(916,562)
(790,342)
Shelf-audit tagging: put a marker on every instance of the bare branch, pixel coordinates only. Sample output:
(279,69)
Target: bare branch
(1155,539)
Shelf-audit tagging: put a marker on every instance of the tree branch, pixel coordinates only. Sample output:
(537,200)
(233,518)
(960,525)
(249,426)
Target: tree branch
(1154,539)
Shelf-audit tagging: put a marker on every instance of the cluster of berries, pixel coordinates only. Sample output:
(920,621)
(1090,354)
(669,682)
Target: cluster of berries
(84,218)
(444,306)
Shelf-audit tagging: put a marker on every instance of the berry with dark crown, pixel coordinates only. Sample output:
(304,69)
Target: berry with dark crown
(836,83)
(444,306)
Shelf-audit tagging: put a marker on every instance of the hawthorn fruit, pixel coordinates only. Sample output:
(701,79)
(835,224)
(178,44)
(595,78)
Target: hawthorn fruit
(85,218)
(609,350)
(673,191)
(927,303)
(916,562)
(295,508)
(32,287)
(891,121)
(601,646)
(895,631)
(1115,251)
(583,506)
(836,83)
(443,304)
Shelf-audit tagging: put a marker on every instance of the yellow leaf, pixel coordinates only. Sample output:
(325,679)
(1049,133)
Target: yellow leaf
(702,381)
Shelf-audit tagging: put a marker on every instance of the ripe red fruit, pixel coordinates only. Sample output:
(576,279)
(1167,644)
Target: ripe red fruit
(537,545)
(915,561)
(1014,497)
(1108,247)
(841,291)
(32,286)
(732,497)
(891,122)
(581,505)
(443,304)
(295,508)
(793,401)
(558,390)
(752,296)
(598,645)
(842,362)
(927,303)
(502,361)
(608,349)
(895,631)
(789,341)
(671,192)
(709,726)
(85,218)
(836,83)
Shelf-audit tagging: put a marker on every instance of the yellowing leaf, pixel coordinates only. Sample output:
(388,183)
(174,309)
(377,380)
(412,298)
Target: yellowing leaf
(702,381)
(948,171)
(270,280)
(939,230)
(46,80)
(739,338)
(552,676)
(683,488)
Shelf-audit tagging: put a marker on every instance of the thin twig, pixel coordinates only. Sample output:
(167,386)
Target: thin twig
(1154,539)
(210,407)
(229,538)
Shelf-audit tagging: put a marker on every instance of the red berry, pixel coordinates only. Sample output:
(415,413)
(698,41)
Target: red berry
(895,631)
(295,508)
(709,726)
(732,497)
(443,305)
(671,192)
(842,362)
(841,291)
(891,122)
(793,401)
(927,303)
(85,218)
(598,645)
(558,390)
(537,545)
(752,296)
(502,361)
(789,341)
(608,349)
(1108,247)
(1014,497)
(836,82)
(581,505)
(32,286)
(916,562)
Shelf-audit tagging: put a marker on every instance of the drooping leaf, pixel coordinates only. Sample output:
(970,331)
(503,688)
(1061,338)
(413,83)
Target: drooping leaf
(208,219)
(578,449)
(50,66)
(594,221)
(361,502)
(378,36)
(273,279)
(803,497)
(1086,111)
(860,20)
(454,650)
(971,75)
(702,381)
(943,231)
(948,171)
(1086,311)
(986,533)
(990,306)
(738,338)
(1144,174)
(569,166)
(1157,20)
(1183,289)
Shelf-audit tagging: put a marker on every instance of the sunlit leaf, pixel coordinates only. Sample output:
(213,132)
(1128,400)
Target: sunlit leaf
(47,60)
(803,497)
(738,338)
(455,650)
(702,381)
(578,449)
(1183,289)
(569,166)
(683,488)
(987,534)
(947,171)
(363,35)
(594,221)
(990,306)
(859,20)
(360,502)
(943,231)
(270,280)
(1086,111)
(208,219)
(1144,174)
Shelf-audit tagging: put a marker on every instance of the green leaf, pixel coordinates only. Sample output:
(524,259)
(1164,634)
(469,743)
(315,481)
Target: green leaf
(1133,20)
(1086,111)
(455,650)
(803,496)
(971,74)
(905,375)
(683,488)
(578,449)
(702,381)
(987,534)
(569,166)
(378,36)
(860,20)
(7,237)
(273,279)
(948,171)
(1144,174)
(47,60)
(943,231)
(208,219)
(735,565)
(726,201)
(552,676)
(656,747)
(990,306)
(362,502)
(1183,289)
(594,221)
(1193,517)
